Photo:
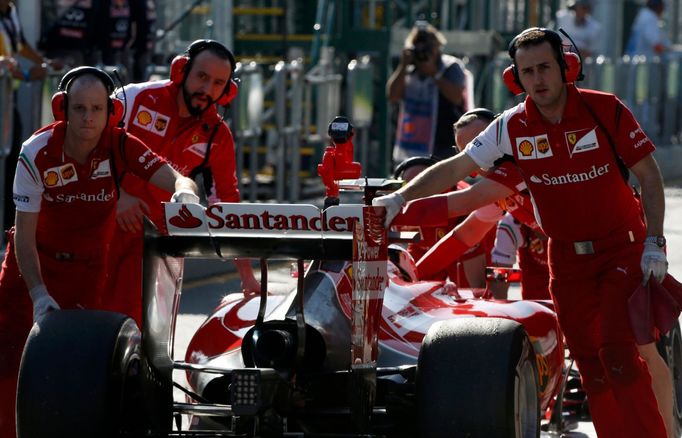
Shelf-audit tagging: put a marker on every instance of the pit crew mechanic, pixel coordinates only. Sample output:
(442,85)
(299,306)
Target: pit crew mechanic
(501,189)
(597,258)
(467,267)
(177,119)
(65,192)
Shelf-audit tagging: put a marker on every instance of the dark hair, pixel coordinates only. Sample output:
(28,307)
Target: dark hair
(535,36)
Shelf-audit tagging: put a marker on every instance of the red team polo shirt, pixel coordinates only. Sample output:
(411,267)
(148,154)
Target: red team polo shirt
(570,167)
(77,202)
(181,141)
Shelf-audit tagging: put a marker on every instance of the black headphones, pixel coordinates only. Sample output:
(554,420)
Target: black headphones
(199,46)
(411,162)
(60,99)
(73,74)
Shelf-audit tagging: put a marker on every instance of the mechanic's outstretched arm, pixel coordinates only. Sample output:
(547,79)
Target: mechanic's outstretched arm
(435,179)
(26,251)
(249,283)
(184,189)
(454,244)
(648,174)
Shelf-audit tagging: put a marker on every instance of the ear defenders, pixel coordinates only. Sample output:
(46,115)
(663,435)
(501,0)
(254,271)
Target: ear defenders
(568,61)
(182,64)
(60,99)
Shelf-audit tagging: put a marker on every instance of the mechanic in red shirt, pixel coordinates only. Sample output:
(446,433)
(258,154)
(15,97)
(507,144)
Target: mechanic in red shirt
(178,120)
(600,249)
(505,187)
(65,191)
(467,268)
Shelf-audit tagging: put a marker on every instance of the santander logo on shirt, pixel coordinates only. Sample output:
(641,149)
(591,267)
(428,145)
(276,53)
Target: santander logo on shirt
(570,178)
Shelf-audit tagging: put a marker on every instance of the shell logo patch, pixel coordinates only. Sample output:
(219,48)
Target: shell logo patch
(152,121)
(525,147)
(51,178)
(143,118)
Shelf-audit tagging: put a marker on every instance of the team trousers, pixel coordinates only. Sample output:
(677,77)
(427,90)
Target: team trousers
(590,292)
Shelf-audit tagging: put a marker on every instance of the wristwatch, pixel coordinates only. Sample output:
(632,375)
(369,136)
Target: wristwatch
(658,240)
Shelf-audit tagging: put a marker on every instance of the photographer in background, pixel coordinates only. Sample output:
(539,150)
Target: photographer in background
(430,88)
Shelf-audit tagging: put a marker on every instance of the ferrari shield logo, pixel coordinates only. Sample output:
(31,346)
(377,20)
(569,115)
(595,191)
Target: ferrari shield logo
(582,141)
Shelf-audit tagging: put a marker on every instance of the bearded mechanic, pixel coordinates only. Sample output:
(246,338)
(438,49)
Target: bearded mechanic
(178,120)
(596,258)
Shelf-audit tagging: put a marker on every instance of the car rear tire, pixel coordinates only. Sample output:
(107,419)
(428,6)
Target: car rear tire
(477,378)
(79,376)
(670,348)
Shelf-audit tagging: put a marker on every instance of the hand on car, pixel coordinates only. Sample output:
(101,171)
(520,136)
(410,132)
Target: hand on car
(43,303)
(185,196)
(654,263)
(130,211)
(393,202)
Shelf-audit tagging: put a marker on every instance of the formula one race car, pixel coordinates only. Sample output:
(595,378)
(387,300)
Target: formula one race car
(358,349)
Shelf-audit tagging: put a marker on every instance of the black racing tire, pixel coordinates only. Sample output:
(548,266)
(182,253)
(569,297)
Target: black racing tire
(79,377)
(477,377)
(670,348)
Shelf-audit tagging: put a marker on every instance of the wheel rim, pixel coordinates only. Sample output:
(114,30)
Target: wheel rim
(526,406)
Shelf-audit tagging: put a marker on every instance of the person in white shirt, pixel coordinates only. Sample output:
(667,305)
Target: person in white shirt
(578,22)
(647,37)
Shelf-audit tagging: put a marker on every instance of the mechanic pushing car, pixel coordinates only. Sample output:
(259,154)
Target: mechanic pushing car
(178,120)
(65,191)
(570,145)
(502,189)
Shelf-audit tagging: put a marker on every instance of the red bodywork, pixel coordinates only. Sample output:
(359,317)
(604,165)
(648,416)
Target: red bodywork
(409,310)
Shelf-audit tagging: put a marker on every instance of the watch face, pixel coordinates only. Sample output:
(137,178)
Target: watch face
(660,241)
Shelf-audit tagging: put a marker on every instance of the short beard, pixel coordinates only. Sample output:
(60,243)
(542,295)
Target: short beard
(193,110)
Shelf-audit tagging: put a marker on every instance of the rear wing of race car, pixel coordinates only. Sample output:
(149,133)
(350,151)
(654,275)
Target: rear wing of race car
(229,230)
